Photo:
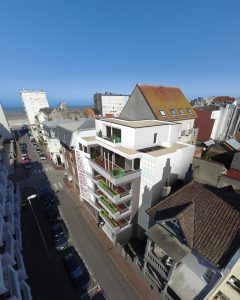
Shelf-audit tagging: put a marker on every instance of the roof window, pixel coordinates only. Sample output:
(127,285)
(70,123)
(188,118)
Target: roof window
(173,112)
(189,110)
(181,111)
(162,112)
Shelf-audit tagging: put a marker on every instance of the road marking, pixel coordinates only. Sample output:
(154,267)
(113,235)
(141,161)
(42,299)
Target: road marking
(55,186)
(39,228)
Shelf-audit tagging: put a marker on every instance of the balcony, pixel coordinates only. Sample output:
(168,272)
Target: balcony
(116,226)
(112,172)
(111,141)
(158,265)
(117,211)
(116,194)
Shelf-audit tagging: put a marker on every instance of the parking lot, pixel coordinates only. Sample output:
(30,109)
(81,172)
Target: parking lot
(48,277)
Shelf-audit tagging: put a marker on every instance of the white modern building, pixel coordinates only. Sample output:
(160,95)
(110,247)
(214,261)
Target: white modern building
(123,171)
(13,275)
(5,131)
(109,103)
(33,101)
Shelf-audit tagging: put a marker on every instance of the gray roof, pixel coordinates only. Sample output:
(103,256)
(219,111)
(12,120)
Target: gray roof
(46,110)
(166,241)
(55,123)
(64,131)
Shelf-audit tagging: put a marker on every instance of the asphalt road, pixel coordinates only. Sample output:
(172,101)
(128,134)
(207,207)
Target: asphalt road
(51,281)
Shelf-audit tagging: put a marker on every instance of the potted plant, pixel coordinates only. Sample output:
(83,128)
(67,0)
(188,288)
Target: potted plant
(100,133)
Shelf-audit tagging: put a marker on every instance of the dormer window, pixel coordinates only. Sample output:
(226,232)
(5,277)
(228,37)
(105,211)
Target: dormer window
(162,112)
(189,110)
(181,111)
(173,112)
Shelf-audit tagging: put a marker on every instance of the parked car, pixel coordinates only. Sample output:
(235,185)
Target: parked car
(27,164)
(77,270)
(35,145)
(38,150)
(46,196)
(25,158)
(60,236)
(24,155)
(52,213)
(42,156)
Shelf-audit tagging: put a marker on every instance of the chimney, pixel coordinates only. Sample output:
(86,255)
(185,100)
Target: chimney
(167,188)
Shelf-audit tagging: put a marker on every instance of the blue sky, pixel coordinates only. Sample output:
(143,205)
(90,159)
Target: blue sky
(73,48)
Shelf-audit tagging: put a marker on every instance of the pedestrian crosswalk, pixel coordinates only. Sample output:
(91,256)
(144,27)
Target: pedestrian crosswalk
(57,186)
(39,171)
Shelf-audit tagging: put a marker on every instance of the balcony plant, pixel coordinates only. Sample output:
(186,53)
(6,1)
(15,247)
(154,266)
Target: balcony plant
(108,204)
(100,133)
(111,221)
(117,172)
(106,188)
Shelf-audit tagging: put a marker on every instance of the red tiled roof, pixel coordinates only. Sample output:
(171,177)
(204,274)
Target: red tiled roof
(166,98)
(209,218)
(205,124)
(234,174)
(223,99)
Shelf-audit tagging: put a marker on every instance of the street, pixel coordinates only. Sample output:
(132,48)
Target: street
(47,277)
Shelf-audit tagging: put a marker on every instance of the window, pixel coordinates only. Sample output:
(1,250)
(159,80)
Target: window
(221,296)
(162,112)
(85,149)
(155,138)
(80,147)
(173,112)
(181,111)
(189,110)
(208,275)
(234,282)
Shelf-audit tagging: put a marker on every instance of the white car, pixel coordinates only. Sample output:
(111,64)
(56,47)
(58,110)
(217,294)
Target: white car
(42,157)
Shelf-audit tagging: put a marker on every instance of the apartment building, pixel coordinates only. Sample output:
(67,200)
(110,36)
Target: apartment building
(33,101)
(51,140)
(13,275)
(109,103)
(5,131)
(123,169)
(68,133)
(229,286)
(162,103)
(193,243)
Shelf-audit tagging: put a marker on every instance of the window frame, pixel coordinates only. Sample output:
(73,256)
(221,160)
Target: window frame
(181,113)
(173,110)
(162,113)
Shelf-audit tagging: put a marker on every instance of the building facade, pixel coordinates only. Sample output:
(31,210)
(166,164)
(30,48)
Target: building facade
(33,101)
(123,169)
(186,253)
(109,103)
(13,275)
(164,104)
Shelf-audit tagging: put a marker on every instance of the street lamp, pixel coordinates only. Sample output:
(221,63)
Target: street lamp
(32,197)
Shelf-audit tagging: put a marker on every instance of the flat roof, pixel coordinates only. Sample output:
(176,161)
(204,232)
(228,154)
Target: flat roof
(138,124)
(89,138)
(166,241)
(164,151)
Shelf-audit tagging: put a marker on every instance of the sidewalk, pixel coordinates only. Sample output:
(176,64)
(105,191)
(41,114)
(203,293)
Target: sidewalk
(139,285)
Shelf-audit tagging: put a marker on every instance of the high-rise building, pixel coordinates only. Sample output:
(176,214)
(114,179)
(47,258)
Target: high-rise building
(110,104)
(33,101)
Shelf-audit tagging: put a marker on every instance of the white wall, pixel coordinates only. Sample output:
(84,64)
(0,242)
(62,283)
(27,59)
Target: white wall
(33,101)
(222,118)
(187,125)
(113,104)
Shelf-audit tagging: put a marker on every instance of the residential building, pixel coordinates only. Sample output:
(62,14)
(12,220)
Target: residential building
(109,103)
(5,131)
(13,275)
(51,140)
(229,287)
(33,101)
(164,104)
(40,118)
(68,134)
(192,243)
(123,169)
(92,113)
(204,123)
